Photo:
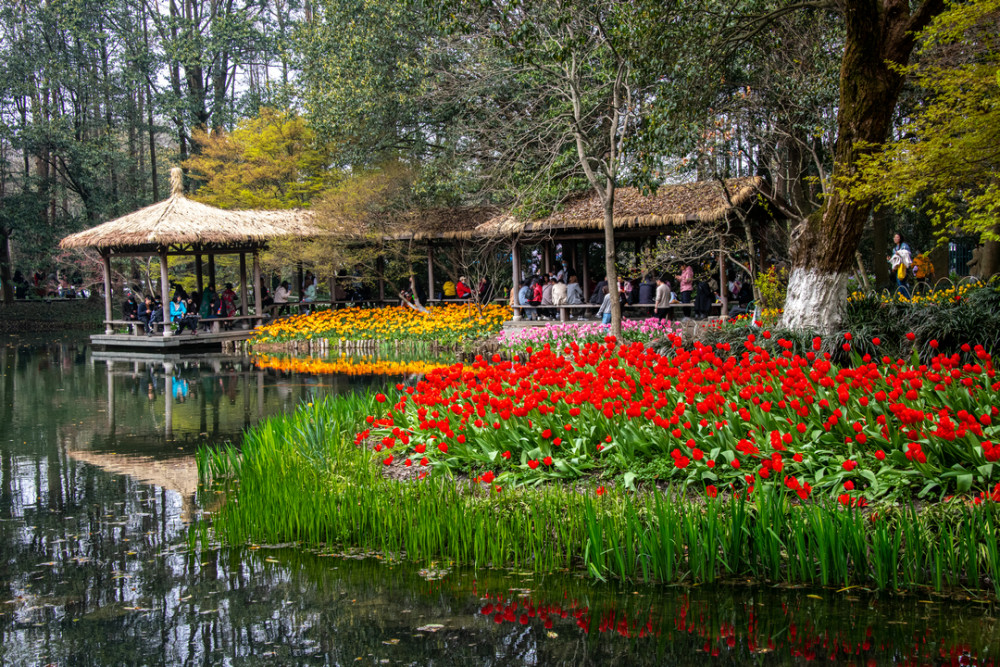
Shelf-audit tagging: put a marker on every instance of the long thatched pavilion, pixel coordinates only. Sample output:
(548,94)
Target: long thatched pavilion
(180,226)
(731,204)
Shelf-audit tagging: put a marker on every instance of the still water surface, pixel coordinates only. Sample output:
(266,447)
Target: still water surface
(98,489)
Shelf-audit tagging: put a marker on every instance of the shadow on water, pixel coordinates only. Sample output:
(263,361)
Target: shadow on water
(97,486)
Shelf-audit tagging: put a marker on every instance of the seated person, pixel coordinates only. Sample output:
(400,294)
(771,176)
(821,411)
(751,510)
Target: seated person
(574,293)
(149,314)
(462,290)
(178,314)
(130,309)
(448,289)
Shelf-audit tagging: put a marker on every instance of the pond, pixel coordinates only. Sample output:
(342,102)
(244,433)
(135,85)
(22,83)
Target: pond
(98,490)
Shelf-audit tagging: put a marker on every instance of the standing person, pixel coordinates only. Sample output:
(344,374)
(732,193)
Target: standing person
(685,279)
(281,298)
(208,298)
(604,312)
(901,260)
(228,298)
(486,290)
(524,296)
(309,295)
(661,304)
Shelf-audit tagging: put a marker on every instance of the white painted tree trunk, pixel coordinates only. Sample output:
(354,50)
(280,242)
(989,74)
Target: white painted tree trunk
(815,301)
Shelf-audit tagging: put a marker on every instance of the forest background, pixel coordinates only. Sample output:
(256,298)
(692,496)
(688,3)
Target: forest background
(369,110)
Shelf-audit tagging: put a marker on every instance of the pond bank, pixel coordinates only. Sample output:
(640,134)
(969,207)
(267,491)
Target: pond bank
(50,315)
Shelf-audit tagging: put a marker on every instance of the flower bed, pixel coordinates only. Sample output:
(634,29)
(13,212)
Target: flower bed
(448,323)
(343,366)
(558,335)
(937,297)
(300,477)
(711,418)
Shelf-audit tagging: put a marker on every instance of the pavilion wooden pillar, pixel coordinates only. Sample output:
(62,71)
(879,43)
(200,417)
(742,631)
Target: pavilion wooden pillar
(198,271)
(547,256)
(333,290)
(244,301)
(165,292)
(723,283)
(572,257)
(211,271)
(586,271)
(299,280)
(515,253)
(430,272)
(258,296)
(106,257)
(168,396)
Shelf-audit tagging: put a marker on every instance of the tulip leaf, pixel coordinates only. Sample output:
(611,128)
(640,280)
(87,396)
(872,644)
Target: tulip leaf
(964,482)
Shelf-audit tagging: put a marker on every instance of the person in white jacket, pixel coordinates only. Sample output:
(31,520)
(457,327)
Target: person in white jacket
(900,261)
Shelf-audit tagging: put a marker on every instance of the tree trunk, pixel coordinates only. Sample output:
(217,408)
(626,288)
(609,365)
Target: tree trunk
(989,259)
(6,286)
(880,34)
(609,260)
(880,242)
(939,255)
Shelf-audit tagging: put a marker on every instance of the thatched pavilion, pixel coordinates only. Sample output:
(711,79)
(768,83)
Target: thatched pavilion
(180,226)
(637,217)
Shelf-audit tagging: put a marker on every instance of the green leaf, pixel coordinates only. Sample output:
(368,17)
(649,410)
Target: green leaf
(630,480)
(964,482)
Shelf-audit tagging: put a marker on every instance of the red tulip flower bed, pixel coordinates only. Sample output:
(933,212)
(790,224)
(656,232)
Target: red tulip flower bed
(716,418)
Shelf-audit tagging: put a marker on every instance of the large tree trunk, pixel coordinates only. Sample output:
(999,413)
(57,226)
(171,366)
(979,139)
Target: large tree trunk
(880,243)
(6,284)
(609,260)
(880,34)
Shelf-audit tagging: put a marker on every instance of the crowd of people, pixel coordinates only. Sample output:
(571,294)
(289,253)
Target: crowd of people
(186,311)
(541,295)
(56,284)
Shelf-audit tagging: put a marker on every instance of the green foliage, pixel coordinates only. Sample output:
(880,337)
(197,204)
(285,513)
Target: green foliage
(947,162)
(270,161)
(772,285)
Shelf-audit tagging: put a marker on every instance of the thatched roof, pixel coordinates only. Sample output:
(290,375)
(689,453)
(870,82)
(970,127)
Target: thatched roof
(179,220)
(701,201)
(441,223)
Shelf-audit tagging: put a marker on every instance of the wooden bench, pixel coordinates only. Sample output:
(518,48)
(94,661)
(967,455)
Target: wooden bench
(214,323)
(135,327)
